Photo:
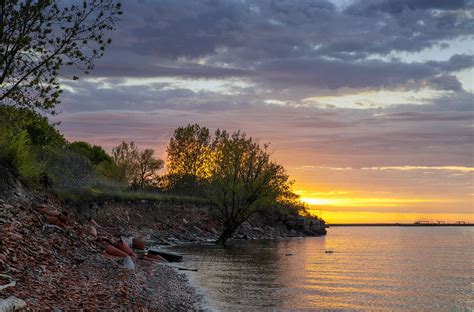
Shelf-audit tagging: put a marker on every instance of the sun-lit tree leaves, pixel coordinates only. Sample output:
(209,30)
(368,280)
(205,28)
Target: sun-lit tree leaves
(188,157)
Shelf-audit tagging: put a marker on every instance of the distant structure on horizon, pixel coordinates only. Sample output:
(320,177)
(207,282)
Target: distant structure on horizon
(439,222)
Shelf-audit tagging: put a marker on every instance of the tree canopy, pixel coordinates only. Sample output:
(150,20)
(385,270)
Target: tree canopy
(244,180)
(137,168)
(39,38)
(188,157)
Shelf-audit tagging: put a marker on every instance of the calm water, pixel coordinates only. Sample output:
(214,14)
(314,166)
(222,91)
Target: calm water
(371,268)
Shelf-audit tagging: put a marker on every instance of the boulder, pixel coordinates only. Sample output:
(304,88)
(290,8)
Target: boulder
(128,263)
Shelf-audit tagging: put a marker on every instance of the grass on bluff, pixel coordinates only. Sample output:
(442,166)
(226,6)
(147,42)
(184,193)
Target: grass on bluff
(124,195)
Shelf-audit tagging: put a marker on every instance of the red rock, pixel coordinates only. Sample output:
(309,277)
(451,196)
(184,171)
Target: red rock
(111,250)
(138,243)
(62,218)
(123,246)
(53,213)
(54,221)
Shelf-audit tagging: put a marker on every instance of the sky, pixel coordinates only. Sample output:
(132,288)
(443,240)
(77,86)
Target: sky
(368,104)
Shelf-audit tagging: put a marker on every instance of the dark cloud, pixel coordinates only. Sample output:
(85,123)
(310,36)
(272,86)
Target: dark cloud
(186,71)
(335,74)
(396,7)
(289,43)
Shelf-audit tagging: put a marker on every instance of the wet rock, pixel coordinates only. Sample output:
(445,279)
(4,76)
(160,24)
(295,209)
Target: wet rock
(170,256)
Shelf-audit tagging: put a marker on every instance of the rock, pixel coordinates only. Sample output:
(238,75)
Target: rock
(123,246)
(12,304)
(51,226)
(112,251)
(11,283)
(154,257)
(170,256)
(54,221)
(92,230)
(127,240)
(128,263)
(53,213)
(138,243)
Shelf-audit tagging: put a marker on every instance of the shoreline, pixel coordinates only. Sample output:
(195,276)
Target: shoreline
(401,224)
(56,264)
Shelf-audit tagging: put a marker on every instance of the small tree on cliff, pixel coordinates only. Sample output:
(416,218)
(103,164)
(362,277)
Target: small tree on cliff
(148,167)
(136,167)
(243,180)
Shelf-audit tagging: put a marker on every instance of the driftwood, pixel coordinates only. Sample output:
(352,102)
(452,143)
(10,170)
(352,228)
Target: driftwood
(180,268)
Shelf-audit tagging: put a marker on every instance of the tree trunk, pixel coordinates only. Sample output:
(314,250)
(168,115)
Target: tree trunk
(226,234)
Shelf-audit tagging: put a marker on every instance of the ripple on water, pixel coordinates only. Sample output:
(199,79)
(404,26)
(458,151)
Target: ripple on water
(376,268)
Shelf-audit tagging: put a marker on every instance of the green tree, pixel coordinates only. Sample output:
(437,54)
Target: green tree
(137,168)
(40,131)
(39,38)
(148,167)
(188,157)
(96,154)
(125,156)
(243,180)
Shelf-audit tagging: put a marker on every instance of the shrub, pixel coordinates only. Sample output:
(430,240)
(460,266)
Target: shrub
(18,153)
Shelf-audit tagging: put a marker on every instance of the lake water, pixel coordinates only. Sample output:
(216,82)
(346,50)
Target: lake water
(370,268)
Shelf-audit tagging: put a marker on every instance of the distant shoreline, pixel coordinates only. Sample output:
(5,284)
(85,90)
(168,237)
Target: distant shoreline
(398,224)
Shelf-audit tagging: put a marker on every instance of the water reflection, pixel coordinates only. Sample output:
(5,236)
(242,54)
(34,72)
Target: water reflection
(373,268)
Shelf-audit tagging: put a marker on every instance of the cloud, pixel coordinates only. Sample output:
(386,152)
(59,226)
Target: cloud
(309,167)
(396,7)
(373,74)
(411,168)
(301,45)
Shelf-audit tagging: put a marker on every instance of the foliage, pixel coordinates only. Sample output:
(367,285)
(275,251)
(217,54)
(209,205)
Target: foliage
(22,135)
(125,156)
(94,153)
(147,167)
(117,194)
(68,171)
(244,180)
(39,38)
(38,128)
(136,168)
(18,153)
(188,158)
